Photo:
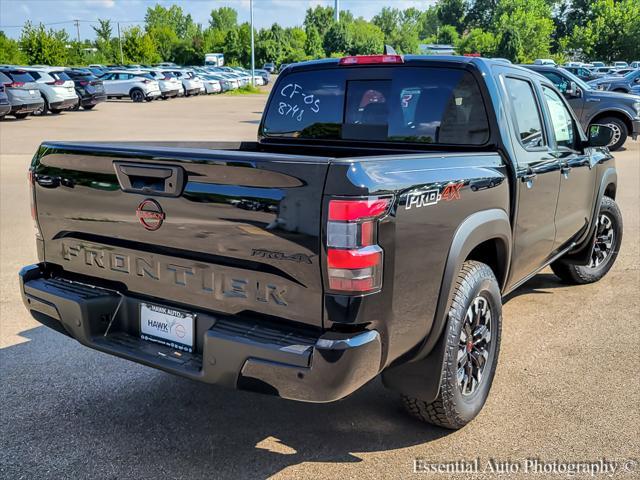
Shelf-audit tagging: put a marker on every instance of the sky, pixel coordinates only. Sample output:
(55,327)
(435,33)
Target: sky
(13,13)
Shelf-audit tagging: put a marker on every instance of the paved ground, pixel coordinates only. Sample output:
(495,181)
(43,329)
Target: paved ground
(567,386)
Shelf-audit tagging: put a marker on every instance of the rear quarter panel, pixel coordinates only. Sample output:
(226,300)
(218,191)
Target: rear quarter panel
(433,194)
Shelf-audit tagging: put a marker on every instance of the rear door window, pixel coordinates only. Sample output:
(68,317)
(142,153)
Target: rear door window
(60,76)
(525,106)
(408,104)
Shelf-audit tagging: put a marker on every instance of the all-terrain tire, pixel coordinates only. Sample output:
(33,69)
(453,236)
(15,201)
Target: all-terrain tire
(592,272)
(452,408)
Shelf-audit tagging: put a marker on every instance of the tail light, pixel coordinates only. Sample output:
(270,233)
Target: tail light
(15,84)
(58,83)
(84,83)
(166,79)
(146,81)
(354,259)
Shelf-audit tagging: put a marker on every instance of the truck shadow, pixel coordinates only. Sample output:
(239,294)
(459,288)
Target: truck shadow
(540,284)
(129,421)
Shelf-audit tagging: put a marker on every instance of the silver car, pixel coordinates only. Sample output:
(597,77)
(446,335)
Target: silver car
(22,92)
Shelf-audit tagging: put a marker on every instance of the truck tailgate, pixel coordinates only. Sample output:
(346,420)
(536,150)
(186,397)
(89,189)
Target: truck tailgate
(229,231)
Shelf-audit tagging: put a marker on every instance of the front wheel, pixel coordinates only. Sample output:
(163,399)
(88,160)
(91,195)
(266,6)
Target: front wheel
(137,95)
(88,107)
(606,244)
(471,351)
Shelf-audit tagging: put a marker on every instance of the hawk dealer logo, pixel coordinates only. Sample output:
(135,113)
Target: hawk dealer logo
(424,198)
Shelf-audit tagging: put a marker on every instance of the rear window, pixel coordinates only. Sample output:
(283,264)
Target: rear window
(60,76)
(20,76)
(4,79)
(409,104)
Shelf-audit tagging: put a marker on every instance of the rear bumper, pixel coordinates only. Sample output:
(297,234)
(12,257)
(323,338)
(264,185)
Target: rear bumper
(238,353)
(4,109)
(64,104)
(26,107)
(170,93)
(93,99)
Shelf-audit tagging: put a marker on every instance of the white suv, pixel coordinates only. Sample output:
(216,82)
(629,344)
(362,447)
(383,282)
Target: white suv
(169,85)
(56,88)
(191,84)
(137,85)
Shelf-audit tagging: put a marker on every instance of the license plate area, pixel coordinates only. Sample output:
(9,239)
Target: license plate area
(167,326)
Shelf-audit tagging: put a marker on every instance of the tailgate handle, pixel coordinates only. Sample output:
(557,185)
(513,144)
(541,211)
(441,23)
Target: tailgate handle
(165,180)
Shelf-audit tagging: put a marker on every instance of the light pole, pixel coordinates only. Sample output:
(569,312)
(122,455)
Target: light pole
(336,10)
(120,43)
(253,56)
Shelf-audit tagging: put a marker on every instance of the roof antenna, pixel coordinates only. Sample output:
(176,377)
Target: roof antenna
(388,50)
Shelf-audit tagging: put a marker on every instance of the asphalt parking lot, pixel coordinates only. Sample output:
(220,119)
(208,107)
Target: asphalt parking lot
(567,387)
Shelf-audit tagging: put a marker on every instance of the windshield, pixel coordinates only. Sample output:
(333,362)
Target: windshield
(408,104)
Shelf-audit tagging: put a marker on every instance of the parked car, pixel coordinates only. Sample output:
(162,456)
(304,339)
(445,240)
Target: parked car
(620,84)
(57,89)
(22,91)
(211,84)
(635,64)
(598,64)
(89,88)
(170,85)
(544,61)
(229,82)
(269,67)
(620,64)
(191,84)
(619,111)
(137,85)
(582,73)
(365,233)
(5,105)
(265,74)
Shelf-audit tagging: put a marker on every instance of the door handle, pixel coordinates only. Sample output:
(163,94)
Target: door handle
(148,179)
(564,170)
(529,177)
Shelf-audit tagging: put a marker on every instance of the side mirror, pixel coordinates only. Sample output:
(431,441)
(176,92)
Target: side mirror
(637,80)
(600,136)
(573,90)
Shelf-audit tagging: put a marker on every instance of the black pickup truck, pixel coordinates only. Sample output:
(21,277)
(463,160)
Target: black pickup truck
(387,207)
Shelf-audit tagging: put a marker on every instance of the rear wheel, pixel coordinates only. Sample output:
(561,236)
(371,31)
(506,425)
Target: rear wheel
(21,116)
(620,132)
(76,107)
(471,352)
(88,107)
(608,238)
(137,95)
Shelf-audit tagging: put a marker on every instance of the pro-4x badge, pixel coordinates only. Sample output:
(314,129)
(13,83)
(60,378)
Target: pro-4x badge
(424,198)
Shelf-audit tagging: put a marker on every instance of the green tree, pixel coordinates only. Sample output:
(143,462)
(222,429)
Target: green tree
(321,18)
(509,44)
(166,41)
(482,14)
(223,18)
(612,34)
(366,38)
(139,47)
(448,35)
(42,46)
(338,39)
(10,52)
(429,23)
(478,41)
(172,17)
(531,20)
(453,12)
(388,21)
(313,45)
